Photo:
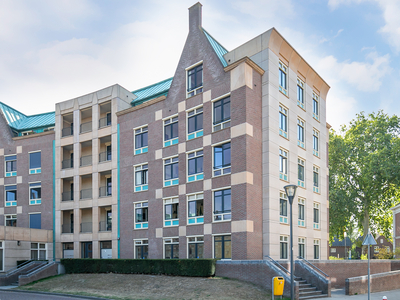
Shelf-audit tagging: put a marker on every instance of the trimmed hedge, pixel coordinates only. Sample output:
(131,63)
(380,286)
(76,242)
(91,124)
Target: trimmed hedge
(176,267)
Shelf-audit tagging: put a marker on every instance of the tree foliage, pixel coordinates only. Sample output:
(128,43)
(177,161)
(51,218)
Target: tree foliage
(364,174)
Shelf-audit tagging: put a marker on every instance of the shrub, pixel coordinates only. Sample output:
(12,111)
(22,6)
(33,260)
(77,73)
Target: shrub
(383,254)
(176,267)
(335,258)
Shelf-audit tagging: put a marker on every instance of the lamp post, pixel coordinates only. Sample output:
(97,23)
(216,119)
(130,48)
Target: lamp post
(290,192)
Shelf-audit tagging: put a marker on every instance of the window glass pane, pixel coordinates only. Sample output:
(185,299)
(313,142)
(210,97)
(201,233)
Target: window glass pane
(192,208)
(199,166)
(11,195)
(34,160)
(168,172)
(192,124)
(199,122)
(175,249)
(174,130)
(218,157)
(217,249)
(227,110)
(192,166)
(138,141)
(301,172)
(35,221)
(227,154)
(138,178)
(175,169)
(227,249)
(36,193)
(144,139)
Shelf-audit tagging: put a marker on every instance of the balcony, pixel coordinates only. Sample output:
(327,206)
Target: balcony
(105,115)
(86,160)
(86,194)
(68,228)
(105,226)
(67,125)
(67,163)
(86,120)
(67,196)
(105,191)
(105,156)
(86,127)
(67,131)
(86,227)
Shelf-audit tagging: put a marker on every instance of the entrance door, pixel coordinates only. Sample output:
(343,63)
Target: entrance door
(87,250)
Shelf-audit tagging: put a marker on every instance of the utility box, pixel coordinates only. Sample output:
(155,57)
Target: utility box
(278,283)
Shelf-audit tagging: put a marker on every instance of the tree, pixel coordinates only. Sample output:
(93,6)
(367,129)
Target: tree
(364,174)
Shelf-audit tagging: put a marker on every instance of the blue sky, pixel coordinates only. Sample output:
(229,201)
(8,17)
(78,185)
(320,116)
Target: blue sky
(51,51)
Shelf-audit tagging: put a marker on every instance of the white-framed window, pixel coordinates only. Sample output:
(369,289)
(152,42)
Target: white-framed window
(195,208)
(141,215)
(376,249)
(35,162)
(300,172)
(141,248)
(195,165)
(171,171)
(29,132)
(283,121)
(283,78)
(283,208)
(141,139)
(316,216)
(10,195)
(301,209)
(316,142)
(315,179)
(300,93)
(315,106)
(194,79)
(333,250)
(38,251)
(301,133)
(171,248)
(35,220)
(221,113)
(283,247)
(195,246)
(68,250)
(316,249)
(222,159)
(11,165)
(11,220)
(171,211)
(141,177)
(171,131)
(222,247)
(195,123)
(35,193)
(222,205)
(283,169)
(302,247)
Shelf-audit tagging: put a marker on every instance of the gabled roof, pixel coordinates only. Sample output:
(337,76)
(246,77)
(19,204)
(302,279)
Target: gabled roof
(152,91)
(20,121)
(337,243)
(218,48)
(161,88)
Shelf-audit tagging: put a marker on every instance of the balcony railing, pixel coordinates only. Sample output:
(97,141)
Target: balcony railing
(104,191)
(86,194)
(68,228)
(67,131)
(86,227)
(104,122)
(67,163)
(86,127)
(86,160)
(105,226)
(104,156)
(67,196)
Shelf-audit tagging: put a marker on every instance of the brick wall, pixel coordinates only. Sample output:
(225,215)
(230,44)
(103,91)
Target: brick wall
(379,282)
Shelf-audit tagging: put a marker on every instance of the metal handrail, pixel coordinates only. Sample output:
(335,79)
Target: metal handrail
(314,267)
(277,264)
(17,267)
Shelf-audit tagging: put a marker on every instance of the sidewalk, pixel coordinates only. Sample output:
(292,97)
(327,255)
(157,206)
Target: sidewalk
(339,294)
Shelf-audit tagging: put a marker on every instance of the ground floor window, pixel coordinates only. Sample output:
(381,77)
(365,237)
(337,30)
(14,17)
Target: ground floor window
(68,250)
(1,256)
(171,248)
(105,249)
(222,247)
(283,246)
(38,251)
(302,247)
(196,247)
(141,249)
(316,249)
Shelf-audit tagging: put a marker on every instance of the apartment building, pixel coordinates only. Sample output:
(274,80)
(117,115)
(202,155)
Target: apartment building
(193,166)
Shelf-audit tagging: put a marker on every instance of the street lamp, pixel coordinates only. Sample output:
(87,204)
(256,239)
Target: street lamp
(290,192)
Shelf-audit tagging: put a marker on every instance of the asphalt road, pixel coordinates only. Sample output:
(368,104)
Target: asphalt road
(14,295)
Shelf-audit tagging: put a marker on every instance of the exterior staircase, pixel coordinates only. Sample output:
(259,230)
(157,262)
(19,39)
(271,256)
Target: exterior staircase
(307,291)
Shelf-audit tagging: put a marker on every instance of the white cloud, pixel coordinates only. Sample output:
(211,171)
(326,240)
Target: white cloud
(333,4)
(340,108)
(365,75)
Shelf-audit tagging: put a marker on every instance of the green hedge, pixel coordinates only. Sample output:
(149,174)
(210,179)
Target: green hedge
(176,267)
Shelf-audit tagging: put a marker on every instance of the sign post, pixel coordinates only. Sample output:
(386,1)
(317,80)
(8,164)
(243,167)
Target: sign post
(369,240)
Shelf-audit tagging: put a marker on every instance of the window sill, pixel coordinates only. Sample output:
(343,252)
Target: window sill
(222,125)
(301,105)
(222,221)
(283,134)
(283,92)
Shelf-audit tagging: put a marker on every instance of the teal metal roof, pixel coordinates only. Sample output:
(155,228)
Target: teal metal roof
(218,48)
(20,121)
(152,91)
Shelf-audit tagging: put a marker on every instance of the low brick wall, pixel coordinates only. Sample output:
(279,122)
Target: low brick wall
(49,270)
(395,264)
(379,282)
(340,270)
(258,272)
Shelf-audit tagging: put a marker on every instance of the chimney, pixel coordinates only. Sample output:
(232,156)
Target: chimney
(195,16)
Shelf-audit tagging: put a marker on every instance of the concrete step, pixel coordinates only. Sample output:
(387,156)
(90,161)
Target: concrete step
(312,297)
(307,289)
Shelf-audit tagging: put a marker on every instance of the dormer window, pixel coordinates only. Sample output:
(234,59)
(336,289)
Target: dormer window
(194,79)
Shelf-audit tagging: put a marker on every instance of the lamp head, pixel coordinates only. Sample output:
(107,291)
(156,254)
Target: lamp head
(290,191)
